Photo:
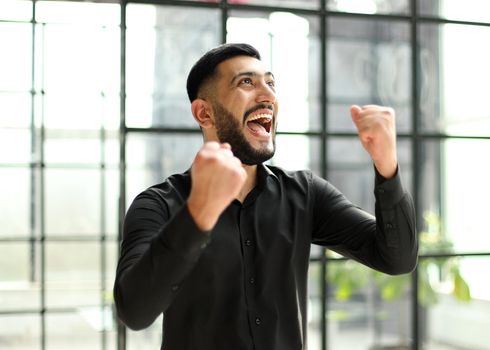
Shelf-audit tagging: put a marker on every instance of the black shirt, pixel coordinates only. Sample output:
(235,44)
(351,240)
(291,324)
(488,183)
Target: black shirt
(243,285)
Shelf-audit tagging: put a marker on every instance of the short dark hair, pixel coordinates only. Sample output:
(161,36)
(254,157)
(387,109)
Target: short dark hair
(206,65)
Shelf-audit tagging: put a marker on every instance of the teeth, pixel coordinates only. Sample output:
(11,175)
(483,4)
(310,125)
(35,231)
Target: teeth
(259,116)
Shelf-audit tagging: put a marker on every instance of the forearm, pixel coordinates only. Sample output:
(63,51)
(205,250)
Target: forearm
(392,247)
(147,282)
(395,226)
(387,242)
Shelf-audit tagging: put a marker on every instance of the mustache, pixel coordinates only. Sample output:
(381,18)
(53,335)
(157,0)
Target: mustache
(256,108)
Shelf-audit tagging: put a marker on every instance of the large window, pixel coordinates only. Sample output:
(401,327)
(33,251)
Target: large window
(93,110)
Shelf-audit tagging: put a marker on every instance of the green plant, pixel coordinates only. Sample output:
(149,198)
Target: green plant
(348,276)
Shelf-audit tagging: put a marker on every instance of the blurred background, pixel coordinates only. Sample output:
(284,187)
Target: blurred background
(93,109)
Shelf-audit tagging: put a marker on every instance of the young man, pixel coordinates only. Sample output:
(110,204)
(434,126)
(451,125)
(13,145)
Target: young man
(222,250)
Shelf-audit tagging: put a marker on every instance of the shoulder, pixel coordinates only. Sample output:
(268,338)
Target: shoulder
(300,176)
(292,179)
(175,184)
(305,180)
(172,192)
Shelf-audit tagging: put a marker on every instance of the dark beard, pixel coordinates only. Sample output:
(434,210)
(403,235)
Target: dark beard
(229,130)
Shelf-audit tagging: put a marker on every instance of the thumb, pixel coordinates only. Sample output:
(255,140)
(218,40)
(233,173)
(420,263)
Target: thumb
(354,112)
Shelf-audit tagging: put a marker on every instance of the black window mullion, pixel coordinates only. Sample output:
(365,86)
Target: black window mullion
(416,165)
(103,226)
(42,200)
(121,329)
(224,18)
(323,165)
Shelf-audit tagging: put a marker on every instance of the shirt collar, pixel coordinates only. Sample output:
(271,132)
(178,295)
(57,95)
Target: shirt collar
(263,172)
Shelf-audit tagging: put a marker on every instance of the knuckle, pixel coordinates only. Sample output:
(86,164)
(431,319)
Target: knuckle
(200,156)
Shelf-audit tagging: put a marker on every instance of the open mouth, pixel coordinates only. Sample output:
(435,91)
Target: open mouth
(260,124)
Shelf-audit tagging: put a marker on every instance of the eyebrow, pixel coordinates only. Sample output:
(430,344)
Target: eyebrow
(250,74)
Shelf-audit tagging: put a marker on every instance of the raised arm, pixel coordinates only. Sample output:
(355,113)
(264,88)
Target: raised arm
(387,242)
(165,234)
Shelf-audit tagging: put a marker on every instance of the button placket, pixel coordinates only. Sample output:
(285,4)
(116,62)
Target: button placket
(250,281)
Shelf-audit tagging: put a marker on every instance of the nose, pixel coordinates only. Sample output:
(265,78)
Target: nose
(265,93)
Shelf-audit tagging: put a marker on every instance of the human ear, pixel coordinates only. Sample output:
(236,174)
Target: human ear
(201,110)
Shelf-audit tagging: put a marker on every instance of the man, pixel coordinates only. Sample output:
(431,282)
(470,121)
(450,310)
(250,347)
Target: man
(223,249)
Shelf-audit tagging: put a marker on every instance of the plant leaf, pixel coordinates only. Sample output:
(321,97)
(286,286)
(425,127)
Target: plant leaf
(461,288)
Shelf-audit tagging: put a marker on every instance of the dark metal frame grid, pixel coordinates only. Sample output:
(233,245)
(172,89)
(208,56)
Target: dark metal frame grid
(415,136)
(37,224)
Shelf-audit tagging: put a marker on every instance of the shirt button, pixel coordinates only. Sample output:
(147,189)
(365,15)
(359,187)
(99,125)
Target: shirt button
(252,280)
(175,288)
(389,226)
(257,321)
(248,242)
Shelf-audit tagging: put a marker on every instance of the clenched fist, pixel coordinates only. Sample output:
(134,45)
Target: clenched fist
(217,177)
(376,127)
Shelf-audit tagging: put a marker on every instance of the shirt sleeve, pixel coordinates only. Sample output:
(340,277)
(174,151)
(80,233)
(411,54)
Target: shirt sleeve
(158,251)
(386,242)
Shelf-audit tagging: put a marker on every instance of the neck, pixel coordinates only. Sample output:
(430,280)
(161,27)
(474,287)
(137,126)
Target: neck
(250,182)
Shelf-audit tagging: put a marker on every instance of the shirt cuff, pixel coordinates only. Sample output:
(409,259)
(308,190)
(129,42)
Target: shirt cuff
(388,192)
(182,236)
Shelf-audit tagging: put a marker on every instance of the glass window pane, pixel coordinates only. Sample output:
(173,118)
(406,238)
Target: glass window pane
(431,190)
(148,339)
(76,331)
(274,35)
(466,197)
(16,57)
(454,70)
(111,147)
(469,10)
(87,111)
(314,306)
(351,169)
(18,142)
(73,273)
(162,45)
(111,256)
(449,320)
(368,63)
(79,60)
(15,201)
(19,332)
(15,109)
(111,214)
(152,158)
(72,201)
(19,276)
(367,309)
(77,12)
(80,147)
(296,152)
(455,198)
(370,7)
(304,4)
(16,10)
